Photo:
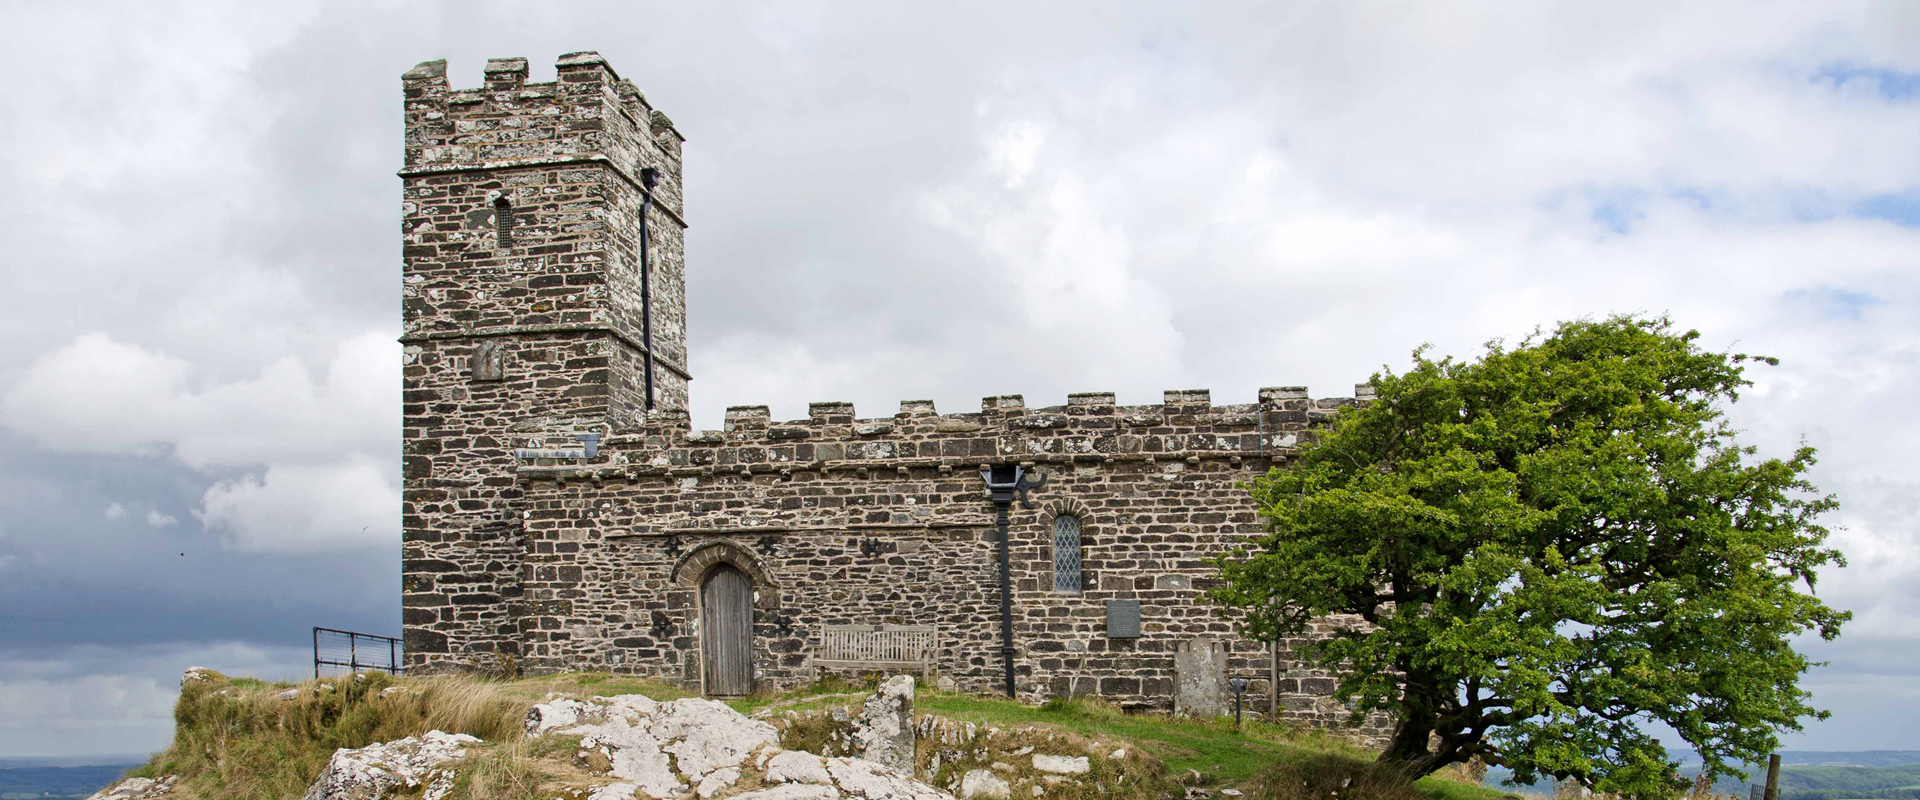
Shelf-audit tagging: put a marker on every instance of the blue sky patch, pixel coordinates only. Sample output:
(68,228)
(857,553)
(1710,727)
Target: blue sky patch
(1903,208)
(1889,84)
(1832,302)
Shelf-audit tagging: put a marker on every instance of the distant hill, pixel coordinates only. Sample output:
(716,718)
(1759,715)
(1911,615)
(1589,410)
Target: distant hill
(1812,775)
(1850,758)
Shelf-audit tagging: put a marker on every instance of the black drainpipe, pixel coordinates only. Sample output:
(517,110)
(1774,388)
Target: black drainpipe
(1003,481)
(648,177)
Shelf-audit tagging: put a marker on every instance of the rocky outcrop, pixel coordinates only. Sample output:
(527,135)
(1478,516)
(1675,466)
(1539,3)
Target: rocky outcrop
(138,788)
(388,769)
(983,761)
(884,730)
(665,750)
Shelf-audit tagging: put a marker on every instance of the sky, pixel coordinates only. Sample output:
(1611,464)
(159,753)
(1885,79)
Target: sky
(199,379)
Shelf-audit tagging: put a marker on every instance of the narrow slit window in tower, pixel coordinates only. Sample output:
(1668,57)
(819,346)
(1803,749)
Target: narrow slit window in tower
(503,222)
(1066,554)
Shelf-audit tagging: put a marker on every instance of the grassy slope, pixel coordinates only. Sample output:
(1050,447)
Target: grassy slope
(236,738)
(1213,747)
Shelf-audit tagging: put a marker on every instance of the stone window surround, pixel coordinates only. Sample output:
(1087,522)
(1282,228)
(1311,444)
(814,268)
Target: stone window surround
(1053,510)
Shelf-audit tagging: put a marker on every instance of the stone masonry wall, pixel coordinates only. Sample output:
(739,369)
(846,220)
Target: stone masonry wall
(885,521)
(508,338)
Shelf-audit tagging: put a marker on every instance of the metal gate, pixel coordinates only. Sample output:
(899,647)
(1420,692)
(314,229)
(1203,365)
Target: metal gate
(726,631)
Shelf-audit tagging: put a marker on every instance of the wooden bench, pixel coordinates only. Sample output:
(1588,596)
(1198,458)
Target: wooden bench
(877,647)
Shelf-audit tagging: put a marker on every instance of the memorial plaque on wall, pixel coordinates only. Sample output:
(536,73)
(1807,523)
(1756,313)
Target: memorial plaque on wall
(1123,619)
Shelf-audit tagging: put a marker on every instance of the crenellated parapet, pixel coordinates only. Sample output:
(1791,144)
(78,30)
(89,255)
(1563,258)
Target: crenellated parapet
(588,115)
(1090,428)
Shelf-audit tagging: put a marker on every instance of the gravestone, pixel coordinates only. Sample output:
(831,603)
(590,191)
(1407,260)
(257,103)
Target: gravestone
(1200,685)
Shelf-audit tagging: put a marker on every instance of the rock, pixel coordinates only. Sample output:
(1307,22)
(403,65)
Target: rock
(1037,791)
(1232,792)
(983,783)
(797,766)
(1117,754)
(706,735)
(1061,765)
(792,791)
(139,788)
(885,728)
(620,732)
(290,694)
(198,674)
(379,771)
(717,780)
(396,691)
(632,753)
(862,778)
(614,791)
(560,713)
(658,750)
(945,684)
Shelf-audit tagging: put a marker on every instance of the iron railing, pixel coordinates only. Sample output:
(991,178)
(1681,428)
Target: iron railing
(347,652)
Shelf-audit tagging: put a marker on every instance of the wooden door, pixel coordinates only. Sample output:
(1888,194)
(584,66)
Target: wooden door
(726,631)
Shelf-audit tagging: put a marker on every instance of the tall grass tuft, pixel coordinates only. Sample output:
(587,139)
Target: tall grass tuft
(247,739)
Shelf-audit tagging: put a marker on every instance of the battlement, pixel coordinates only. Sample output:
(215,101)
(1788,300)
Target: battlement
(589,114)
(1091,426)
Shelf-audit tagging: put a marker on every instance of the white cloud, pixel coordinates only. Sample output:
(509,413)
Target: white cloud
(89,702)
(301,508)
(311,444)
(115,511)
(94,699)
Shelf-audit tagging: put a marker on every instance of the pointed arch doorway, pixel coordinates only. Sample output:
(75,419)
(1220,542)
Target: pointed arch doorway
(726,631)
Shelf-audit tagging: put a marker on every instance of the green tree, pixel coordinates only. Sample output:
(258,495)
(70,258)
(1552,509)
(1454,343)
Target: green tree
(1543,552)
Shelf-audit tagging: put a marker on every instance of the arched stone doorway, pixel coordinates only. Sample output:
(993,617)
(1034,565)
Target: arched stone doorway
(726,631)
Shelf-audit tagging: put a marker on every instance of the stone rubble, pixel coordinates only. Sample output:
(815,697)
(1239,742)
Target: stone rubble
(383,770)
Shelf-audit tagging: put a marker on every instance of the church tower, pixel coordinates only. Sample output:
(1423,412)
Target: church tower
(544,302)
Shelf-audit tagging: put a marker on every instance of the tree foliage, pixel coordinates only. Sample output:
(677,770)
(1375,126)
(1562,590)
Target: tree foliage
(1552,548)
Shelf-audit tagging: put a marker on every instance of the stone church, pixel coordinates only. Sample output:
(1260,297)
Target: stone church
(560,513)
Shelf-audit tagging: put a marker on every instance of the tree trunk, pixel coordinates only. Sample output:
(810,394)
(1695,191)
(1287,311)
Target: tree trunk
(1407,752)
